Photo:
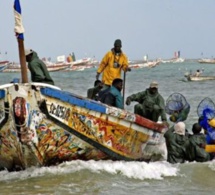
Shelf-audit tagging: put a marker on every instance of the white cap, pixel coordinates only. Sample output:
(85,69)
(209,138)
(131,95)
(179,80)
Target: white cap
(179,128)
(28,51)
(154,84)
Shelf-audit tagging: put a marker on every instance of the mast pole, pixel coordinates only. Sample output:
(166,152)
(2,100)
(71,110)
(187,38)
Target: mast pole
(22,60)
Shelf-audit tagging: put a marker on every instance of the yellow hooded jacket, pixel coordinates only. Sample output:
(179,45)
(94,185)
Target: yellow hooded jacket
(107,66)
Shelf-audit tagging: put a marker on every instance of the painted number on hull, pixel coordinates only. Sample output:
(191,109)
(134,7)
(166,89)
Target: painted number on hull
(60,111)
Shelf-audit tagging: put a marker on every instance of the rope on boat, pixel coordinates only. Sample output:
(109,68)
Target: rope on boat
(20,125)
(6,110)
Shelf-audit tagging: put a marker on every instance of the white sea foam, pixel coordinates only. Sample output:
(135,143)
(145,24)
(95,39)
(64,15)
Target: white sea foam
(212,165)
(135,170)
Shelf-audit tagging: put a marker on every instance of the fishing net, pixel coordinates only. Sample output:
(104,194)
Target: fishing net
(175,102)
(206,109)
(206,113)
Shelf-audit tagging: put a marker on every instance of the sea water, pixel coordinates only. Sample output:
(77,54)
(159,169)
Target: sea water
(119,177)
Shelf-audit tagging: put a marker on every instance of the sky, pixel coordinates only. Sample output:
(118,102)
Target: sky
(89,28)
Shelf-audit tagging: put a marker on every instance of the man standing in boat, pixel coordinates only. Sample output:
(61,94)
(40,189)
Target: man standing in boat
(112,63)
(151,104)
(38,69)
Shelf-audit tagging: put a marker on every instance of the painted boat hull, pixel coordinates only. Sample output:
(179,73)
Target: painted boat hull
(207,61)
(3,65)
(200,78)
(51,68)
(42,125)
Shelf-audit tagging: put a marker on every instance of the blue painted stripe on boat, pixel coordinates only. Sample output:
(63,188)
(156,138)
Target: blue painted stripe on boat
(73,99)
(2,93)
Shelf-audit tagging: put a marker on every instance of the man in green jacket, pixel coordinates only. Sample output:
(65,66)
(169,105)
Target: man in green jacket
(176,142)
(92,93)
(151,104)
(197,142)
(37,67)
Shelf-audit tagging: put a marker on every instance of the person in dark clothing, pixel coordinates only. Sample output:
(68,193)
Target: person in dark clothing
(37,67)
(197,142)
(151,104)
(102,94)
(176,143)
(112,96)
(92,93)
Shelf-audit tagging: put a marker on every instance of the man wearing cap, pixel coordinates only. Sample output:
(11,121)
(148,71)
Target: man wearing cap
(177,143)
(151,104)
(112,63)
(38,69)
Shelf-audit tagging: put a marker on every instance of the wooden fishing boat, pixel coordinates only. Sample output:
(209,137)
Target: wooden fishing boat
(3,65)
(54,67)
(42,125)
(51,67)
(82,64)
(199,78)
(206,61)
(149,64)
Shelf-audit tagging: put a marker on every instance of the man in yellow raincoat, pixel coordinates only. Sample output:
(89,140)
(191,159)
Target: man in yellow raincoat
(112,63)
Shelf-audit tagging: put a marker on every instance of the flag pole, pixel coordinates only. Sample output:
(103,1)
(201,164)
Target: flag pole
(19,30)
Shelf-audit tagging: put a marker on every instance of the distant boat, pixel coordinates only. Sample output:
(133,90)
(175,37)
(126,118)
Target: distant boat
(83,64)
(12,67)
(77,68)
(149,64)
(51,67)
(3,65)
(176,59)
(206,61)
(199,78)
(173,60)
(58,66)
